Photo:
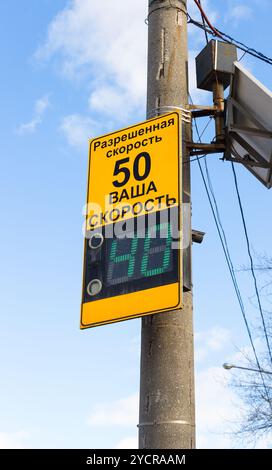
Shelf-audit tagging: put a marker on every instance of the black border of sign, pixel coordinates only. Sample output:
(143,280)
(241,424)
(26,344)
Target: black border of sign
(138,315)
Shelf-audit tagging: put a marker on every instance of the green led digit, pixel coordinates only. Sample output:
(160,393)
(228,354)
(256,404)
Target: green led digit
(148,251)
(116,259)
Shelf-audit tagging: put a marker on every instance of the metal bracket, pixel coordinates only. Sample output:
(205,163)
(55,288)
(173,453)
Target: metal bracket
(196,148)
(247,162)
(258,159)
(251,131)
(185,113)
(202,111)
(198,236)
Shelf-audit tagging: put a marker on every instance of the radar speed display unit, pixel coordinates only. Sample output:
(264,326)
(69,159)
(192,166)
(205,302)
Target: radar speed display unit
(132,255)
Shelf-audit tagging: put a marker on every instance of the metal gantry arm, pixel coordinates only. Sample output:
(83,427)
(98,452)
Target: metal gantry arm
(218,113)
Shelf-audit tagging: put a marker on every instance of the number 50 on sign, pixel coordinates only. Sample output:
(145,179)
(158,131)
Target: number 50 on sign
(132,255)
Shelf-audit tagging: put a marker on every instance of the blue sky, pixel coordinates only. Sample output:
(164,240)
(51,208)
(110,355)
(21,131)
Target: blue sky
(72,70)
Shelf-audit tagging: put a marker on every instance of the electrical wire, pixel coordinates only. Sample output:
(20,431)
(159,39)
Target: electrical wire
(194,159)
(208,28)
(252,270)
(243,220)
(211,195)
(204,24)
(223,240)
(221,232)
(204,17)
(231,268)
(205,128)
(218,213)
(199,157)
(230,40)
(220,229)
(242,56)
(236,288)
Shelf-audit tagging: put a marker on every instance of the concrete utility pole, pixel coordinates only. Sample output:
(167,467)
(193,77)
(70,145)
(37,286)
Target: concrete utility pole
(167,405)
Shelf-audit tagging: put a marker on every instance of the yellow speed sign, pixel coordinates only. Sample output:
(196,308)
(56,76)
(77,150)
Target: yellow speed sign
(132,258)
(134,171)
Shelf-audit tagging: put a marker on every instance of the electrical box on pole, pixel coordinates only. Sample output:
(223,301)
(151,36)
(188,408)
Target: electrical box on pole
(215,63)
(132,256)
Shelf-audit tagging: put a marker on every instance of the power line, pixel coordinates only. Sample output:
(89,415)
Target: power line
(215,209)
(231,269)
(205,128)
(211,194)
(234,280)
(194,159)
(238,293)
(242,56)
(223,240)
(206,19)
(199,157)
(218,213)
(203,22)
(252,270)
(230,40)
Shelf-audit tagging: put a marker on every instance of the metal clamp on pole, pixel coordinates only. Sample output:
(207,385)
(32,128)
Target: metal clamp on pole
(155,5)
(185,113)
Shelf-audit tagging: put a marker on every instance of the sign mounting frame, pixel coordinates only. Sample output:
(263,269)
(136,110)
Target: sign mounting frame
(249,132)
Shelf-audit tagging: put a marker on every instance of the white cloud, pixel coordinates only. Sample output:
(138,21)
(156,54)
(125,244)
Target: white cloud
(234,12)
(107,98)
(85,42)
(40,107)
(106,42)
(13,440)
(117,413)
(196,35)
(210,341)
(29,127)
(78,129)
(240,12)
(217,409)
(128,443)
